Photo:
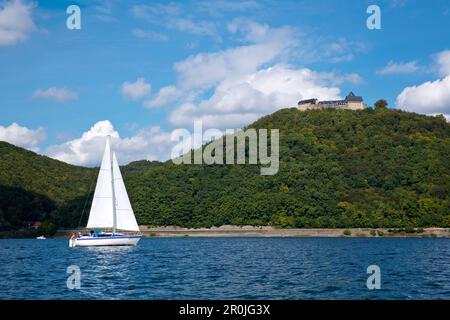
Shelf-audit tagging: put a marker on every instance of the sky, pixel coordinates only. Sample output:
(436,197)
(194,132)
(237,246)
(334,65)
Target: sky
(138,70)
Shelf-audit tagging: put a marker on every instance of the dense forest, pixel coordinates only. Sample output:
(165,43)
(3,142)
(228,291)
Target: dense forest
(338,168)
(35,188)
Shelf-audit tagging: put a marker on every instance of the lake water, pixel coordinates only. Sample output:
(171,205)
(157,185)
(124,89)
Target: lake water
(228,268)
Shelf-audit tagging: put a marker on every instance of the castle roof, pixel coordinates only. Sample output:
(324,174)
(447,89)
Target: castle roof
(351,97)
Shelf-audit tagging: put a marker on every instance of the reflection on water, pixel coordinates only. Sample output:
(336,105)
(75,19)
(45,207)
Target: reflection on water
(233,268)
(108,254)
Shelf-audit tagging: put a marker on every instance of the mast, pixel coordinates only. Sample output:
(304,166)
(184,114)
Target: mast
(112,186)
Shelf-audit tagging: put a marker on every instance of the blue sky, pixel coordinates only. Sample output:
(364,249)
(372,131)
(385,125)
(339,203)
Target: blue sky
(140,69)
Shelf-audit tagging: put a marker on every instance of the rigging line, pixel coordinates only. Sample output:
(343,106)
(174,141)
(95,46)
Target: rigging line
(87,198)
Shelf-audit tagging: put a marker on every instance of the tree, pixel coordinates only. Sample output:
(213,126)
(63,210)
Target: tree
(381,104)
(46,229)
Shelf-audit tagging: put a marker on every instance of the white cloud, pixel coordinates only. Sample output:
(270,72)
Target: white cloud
(331,50)
(239,101)
(399,68)
(16,22)
(339,51)
(202,28)
(22,136)
(253,32)
(443,62)
(149,143)
(136,90)
(205,70)
(431,97)
(56,94)
(164,96)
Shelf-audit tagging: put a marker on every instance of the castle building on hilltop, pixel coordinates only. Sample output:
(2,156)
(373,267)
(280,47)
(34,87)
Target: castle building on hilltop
(351,102)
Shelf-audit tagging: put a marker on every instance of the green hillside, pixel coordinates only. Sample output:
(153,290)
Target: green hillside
(34,187)
(338,168)
(37,188)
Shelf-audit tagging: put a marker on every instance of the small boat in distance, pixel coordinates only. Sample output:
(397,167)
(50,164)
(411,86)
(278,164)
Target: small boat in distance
(41,238)
(110,210)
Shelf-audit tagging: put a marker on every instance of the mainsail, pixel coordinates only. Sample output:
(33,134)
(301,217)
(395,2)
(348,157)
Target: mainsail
(111,208)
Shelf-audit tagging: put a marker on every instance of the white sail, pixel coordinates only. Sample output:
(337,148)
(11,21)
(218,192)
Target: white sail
(125,219)
(102,212)
(110,189)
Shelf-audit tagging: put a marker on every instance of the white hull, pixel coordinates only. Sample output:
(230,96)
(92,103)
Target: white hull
(104,241)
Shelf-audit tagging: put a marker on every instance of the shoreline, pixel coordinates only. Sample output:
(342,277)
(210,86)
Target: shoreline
(266,231)
(233,231)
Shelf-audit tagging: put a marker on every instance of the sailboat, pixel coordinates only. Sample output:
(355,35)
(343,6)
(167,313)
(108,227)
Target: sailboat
(110,210)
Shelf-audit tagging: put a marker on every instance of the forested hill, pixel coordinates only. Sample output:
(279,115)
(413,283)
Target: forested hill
(32,187)
(37,188)
(338,168)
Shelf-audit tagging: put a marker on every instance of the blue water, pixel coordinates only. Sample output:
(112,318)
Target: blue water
(228,268)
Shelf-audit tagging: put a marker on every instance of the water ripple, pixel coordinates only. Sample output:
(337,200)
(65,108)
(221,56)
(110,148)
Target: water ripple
(228,268)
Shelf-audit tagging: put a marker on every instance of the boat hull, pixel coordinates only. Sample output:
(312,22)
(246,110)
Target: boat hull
(104,241)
